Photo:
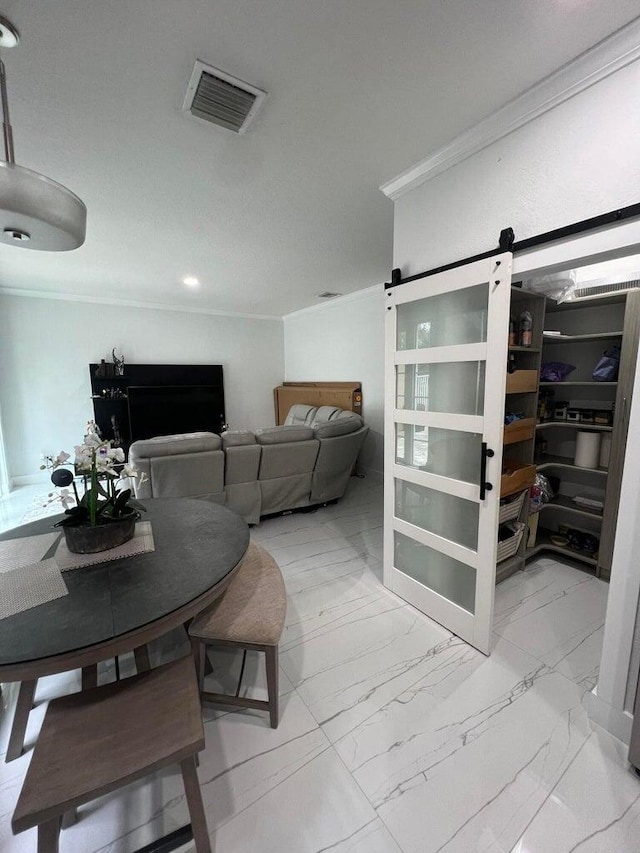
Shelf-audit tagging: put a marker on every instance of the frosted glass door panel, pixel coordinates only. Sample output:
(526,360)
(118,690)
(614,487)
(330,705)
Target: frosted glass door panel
(446,452)
(459,317)
(444,575)
(444,515)
(455,388)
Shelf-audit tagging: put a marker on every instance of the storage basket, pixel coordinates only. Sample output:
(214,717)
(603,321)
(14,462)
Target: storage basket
(508,547)
(511,510)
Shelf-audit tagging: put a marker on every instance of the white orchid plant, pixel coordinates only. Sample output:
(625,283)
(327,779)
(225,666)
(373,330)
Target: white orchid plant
(105,471)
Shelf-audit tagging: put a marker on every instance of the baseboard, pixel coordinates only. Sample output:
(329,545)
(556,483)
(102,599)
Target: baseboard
(29,480)
(615,721)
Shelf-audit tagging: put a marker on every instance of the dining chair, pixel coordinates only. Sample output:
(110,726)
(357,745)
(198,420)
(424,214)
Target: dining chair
(98,740)
(250,615)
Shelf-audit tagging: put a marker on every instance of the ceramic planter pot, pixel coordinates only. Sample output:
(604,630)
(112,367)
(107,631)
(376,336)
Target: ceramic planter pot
(84,539)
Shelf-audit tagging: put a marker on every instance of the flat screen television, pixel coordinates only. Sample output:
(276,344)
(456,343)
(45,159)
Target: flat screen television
(171,409)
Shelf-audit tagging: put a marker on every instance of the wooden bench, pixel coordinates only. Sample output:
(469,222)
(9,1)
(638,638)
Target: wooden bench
(250,614)
(98,740)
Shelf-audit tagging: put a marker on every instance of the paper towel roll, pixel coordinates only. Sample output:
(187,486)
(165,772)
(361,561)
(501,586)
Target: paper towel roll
(605,450)
(587,449)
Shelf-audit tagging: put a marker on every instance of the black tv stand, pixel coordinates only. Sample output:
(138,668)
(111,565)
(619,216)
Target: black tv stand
(157,399)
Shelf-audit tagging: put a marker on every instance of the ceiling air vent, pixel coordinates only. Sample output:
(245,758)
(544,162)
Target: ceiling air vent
(327,294)
(604,289)
(217,97)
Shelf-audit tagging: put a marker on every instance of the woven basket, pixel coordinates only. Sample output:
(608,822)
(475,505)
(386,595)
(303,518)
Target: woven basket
(508,547)
(512,509)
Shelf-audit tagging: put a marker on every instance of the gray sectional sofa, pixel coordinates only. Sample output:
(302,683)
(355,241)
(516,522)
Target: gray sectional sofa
(306,461)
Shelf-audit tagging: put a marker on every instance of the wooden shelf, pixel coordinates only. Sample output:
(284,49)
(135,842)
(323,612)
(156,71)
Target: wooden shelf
(574,425)
(522,476)
(565,503)
(551,461)
(524,349)
(522,382)
(598,336)
(544,543)
(575,384)
(521,430)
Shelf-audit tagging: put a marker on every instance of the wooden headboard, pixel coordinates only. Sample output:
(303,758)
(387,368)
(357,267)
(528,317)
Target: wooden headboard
(346,395)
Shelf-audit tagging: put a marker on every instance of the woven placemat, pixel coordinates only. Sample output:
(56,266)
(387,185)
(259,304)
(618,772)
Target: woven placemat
(141,543)
(15,553)
(29,586)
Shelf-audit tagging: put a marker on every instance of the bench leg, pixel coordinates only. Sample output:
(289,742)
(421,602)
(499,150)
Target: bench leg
(90,676)
(49,836)
(141,654)
(196,809)
(20,719)
(68,819)
(198,649)
(273,688)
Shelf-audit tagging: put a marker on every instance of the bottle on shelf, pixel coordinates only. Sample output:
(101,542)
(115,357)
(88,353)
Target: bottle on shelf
(525,329)
(513,335)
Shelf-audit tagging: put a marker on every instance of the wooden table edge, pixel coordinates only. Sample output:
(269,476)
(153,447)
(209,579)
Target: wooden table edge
(76,659)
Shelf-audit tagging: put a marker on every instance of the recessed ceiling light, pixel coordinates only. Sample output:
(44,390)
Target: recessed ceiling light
(190,281)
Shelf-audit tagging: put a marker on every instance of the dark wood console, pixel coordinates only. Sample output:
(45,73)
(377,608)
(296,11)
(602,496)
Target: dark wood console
(156,399)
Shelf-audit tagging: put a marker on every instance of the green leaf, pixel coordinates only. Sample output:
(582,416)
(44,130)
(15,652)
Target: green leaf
(134,504)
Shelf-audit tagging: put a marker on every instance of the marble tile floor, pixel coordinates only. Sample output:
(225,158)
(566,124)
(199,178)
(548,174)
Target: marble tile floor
(395,736)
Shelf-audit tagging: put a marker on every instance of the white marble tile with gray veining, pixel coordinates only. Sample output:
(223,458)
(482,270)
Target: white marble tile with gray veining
(245,758)
(330,603)
(474,770)
(541,583)
(561,627)
(305,566)
(594,808)
(320,808)
(348,673)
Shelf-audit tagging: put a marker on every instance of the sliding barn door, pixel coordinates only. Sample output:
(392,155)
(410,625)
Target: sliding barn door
(446,354)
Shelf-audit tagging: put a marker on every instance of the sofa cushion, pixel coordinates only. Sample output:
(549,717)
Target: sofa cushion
(237,438)
(300,415)
(283,434)
(340,426)
(327,413)
(171,445)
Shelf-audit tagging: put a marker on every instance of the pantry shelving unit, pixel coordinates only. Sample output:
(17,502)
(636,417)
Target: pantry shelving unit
(521,397)
(587,328)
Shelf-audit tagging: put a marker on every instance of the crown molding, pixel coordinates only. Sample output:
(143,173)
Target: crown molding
(600,61)
(340,300)
(126,303)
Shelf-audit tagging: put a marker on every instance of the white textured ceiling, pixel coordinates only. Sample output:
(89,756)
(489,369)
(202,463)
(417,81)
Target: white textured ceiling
(358,91)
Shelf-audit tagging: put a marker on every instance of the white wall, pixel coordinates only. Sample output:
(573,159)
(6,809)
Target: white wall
(47,345)
(577,161)
(340,341)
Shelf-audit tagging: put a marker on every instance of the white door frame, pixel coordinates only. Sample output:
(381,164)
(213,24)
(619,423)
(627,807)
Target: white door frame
(607,703)
(4,473)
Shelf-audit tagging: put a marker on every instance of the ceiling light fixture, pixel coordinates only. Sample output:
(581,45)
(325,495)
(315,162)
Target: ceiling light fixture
(35,212)
(190,281)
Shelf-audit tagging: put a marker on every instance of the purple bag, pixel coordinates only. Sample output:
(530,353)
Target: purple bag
(555,371)
(606,370)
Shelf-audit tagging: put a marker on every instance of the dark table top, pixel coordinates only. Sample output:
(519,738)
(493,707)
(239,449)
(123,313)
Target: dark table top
(197,544)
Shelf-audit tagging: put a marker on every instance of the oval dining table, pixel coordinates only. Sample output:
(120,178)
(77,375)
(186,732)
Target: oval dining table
(121,605)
